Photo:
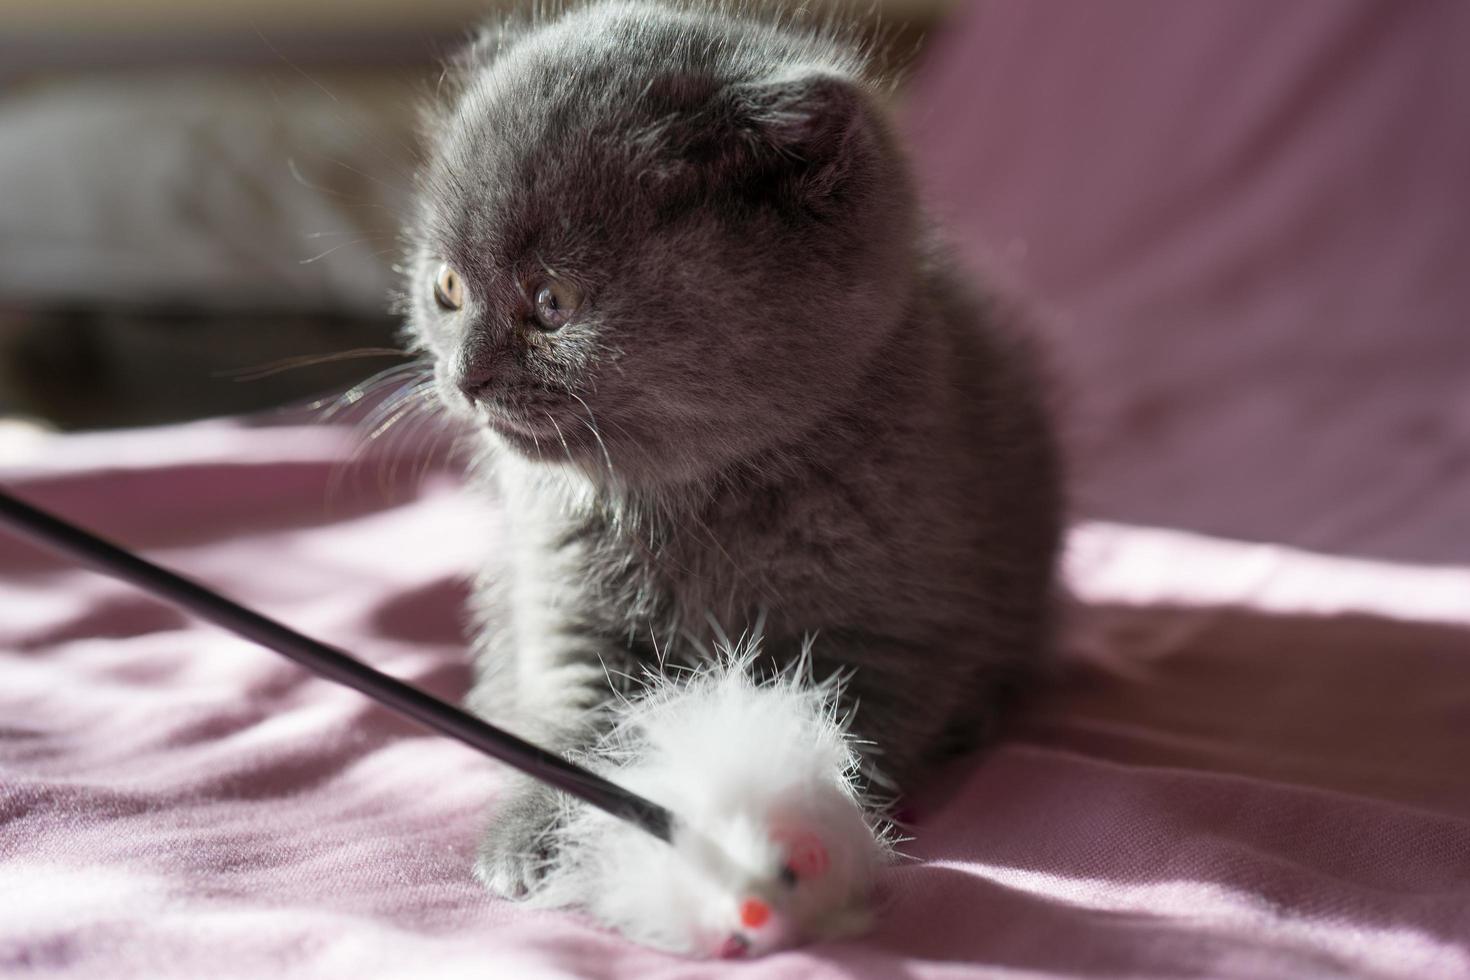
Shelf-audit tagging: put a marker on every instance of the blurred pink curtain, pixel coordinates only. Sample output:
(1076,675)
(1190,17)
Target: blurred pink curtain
(1247,227)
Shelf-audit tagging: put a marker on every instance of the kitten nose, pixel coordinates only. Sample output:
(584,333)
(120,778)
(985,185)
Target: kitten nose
(473,383)
(475,371)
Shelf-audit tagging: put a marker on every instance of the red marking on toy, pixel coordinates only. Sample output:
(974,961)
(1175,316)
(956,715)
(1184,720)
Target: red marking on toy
(754,913)
(806,856)
(734,947)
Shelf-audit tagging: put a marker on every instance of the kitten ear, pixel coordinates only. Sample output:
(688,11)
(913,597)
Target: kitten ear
(802,136)
(817,121)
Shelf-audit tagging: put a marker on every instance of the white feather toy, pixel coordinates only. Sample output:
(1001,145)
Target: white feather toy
(773,845)
(720,817)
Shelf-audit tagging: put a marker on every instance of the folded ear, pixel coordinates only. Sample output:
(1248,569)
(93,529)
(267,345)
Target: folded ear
(816,122)
(802,137)
(807,115)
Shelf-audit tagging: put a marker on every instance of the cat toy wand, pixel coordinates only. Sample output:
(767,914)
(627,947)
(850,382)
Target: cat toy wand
(337,666)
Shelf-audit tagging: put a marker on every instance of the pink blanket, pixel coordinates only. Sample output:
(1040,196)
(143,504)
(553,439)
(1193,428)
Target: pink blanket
(1270,781)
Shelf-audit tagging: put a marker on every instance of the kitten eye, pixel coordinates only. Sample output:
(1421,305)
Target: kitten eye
(448,289)
(555,303)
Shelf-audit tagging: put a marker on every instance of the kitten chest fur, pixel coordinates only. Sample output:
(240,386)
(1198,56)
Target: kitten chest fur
(868,523)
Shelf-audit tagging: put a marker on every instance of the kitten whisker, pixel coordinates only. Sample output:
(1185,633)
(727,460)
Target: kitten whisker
(367,388)
(395,408)
(381,417)
(336,248)
(292,65)
(351,201)
(401,432)
(341,113)
(592,427)
(565,448)
(304,361)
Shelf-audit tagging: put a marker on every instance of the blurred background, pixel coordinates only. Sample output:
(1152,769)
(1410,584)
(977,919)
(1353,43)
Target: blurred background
(1242,223)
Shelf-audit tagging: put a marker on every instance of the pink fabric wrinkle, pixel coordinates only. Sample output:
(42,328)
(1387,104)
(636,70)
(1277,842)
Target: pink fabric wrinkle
(1265,577)
(117,617)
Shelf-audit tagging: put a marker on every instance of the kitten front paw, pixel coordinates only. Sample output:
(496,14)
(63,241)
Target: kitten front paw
(520,843)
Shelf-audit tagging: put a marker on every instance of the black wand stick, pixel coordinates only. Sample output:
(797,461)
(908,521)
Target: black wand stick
(337,666)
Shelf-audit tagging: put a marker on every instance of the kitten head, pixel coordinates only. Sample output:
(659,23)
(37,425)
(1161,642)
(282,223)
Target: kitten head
(652,241)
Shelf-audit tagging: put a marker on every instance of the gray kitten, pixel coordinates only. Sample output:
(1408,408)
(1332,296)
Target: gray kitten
(672,266)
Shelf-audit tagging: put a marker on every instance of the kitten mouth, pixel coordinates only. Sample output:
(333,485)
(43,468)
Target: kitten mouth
(512,423)
(522,429)
(531,422)
(545,439)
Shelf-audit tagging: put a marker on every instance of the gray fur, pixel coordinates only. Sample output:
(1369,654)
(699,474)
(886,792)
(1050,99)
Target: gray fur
(778,405)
